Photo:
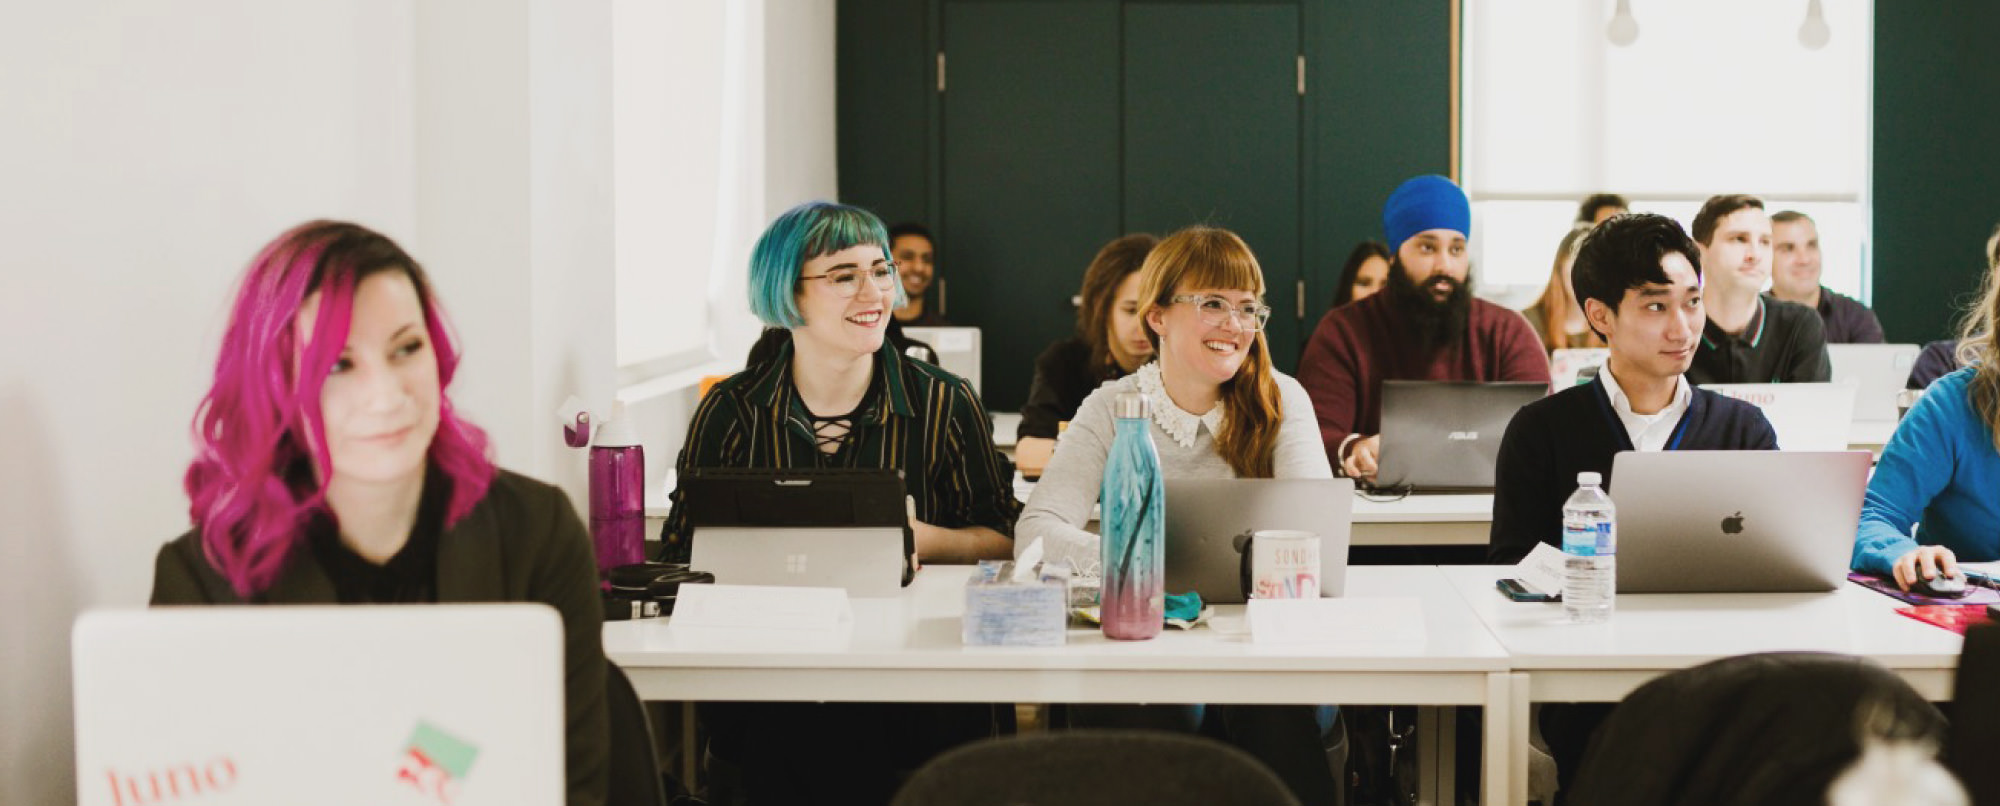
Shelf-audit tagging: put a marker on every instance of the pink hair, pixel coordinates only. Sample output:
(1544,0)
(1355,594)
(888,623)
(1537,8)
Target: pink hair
(258,433)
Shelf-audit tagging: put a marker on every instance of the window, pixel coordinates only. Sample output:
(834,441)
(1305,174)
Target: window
(1714,96)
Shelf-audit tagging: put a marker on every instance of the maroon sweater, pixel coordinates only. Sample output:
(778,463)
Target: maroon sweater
(1356,347)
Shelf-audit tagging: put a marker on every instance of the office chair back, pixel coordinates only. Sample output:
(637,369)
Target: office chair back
(1095,768)
(1973,745)
(1768,729)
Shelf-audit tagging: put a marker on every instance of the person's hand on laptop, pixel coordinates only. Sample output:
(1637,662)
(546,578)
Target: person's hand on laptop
(1928,562)
(1362,457)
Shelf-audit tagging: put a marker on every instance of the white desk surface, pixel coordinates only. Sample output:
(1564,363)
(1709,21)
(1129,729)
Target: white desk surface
(1651,634)
(908,649)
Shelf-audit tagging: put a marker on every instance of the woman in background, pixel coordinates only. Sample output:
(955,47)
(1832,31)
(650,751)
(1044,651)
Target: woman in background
(1110,343)
(1567,329)
(1930,502)
(838,394)
(1219,411)
(330,468)
(1366,270)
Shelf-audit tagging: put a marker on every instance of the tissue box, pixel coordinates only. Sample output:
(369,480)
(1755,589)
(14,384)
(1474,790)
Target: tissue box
(1002,612)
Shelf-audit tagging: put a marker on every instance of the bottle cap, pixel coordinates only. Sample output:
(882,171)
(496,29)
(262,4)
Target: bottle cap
(1588,479)
(1131,406)
(618,432)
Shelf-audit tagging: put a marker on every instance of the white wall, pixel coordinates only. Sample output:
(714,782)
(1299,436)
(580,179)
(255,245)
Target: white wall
(150,148)
(778,135)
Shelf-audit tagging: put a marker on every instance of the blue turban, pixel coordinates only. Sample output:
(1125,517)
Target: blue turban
(1425,203)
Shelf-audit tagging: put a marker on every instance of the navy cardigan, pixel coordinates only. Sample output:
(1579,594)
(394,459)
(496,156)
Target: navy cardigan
(1551,440)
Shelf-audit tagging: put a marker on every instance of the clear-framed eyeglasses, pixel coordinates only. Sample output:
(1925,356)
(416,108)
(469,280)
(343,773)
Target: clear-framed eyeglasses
(1215,311)
(845,283)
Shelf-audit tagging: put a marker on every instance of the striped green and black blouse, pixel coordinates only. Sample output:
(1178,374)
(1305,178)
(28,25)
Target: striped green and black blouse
(915,417)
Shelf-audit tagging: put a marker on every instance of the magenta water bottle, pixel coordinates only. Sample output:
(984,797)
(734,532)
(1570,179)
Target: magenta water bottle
(1133,504)
(618,494)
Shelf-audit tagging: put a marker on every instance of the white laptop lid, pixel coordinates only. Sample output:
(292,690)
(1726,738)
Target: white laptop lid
(427,704)
(1204,516)
(866,560)
(1747,521)
(957,349)
(1807,416)
(1567,363)
(1878,372)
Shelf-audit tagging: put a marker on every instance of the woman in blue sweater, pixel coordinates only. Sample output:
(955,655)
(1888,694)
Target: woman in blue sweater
(1941,470)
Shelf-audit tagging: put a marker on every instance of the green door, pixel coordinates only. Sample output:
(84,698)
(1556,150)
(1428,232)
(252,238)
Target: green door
(1211,135)
(1029,173)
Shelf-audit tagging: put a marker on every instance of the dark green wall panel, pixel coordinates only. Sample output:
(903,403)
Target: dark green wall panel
(1030,176)
(1212,134)
(1937,160)
(883,76)
(1378,111)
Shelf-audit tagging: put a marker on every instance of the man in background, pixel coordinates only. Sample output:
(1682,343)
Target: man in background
(1795,277)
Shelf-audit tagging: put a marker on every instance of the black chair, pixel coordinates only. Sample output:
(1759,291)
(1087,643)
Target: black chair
(635,770)
(1771,729)
(1974,744)
(1095,768)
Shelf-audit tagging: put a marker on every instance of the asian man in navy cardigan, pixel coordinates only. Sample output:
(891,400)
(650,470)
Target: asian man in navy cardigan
(1639,279)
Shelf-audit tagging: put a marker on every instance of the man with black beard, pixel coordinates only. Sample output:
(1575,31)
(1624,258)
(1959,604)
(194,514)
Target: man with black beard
(1426,327)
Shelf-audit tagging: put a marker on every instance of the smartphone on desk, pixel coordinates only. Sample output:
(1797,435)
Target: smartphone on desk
(1513,589)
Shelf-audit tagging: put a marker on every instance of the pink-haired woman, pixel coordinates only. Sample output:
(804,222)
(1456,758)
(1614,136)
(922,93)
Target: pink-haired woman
(330,468)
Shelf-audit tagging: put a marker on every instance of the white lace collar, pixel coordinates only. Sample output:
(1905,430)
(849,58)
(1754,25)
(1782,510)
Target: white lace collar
(1176,421)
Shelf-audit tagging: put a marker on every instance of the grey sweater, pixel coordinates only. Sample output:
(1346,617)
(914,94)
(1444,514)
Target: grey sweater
(1060,506)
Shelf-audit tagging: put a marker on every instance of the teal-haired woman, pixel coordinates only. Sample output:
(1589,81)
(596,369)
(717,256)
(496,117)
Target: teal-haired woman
(839,396)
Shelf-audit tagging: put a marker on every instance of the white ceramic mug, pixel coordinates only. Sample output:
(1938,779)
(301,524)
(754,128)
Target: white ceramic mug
(1284,564)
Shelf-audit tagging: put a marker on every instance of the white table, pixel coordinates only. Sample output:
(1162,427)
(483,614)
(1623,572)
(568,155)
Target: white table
(1652,634)
(1423,520)
(908,650)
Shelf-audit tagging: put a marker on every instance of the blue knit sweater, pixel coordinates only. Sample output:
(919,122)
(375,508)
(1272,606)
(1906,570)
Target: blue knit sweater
(1940,468)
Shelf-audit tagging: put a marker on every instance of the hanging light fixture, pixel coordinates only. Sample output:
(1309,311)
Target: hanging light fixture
(1813,33)
(1624,30)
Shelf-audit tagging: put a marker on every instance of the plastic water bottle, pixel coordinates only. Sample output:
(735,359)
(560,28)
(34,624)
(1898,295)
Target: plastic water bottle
(1134,505)
(1590,546)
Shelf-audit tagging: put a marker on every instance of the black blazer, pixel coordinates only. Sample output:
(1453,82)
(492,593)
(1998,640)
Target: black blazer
(521,543)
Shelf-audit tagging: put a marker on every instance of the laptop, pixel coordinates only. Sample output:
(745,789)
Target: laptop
(1878,373)
(957,349)
(1736,521)
(1807,416)
(841,528)
(1204,517)
(423,704)
(1444,436)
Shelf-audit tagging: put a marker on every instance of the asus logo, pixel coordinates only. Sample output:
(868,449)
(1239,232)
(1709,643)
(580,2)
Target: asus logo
(1462,436)
(795,563)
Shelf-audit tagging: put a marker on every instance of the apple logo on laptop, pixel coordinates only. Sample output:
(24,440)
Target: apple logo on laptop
(1733,525)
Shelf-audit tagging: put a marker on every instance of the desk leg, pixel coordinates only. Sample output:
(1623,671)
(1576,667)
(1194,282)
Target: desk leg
(1437,754)
(690,750)
(1505,754)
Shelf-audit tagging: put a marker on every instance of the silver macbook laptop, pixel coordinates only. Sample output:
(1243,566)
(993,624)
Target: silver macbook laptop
(427,704)
(1807,416)
(1878,373)
(957,349)
(1736,521)
(1440,436)
(1204,516)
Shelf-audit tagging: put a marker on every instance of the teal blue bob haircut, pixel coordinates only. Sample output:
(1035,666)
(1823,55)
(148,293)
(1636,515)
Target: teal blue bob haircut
(801,234)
